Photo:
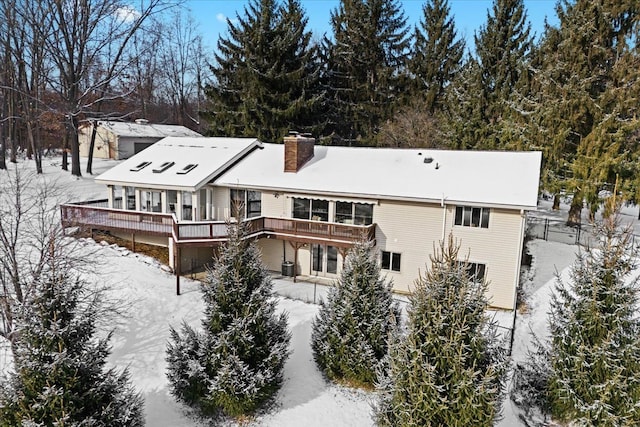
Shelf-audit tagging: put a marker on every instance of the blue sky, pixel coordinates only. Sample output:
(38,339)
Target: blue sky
(469,15)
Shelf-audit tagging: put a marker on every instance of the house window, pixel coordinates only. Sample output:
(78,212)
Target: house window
(172,201)
(301,208)
(130,193)
(150,201)
(187,206)
(354,213)
(311,209)
(390,261)
(468,216)
(247,203)
(475,270)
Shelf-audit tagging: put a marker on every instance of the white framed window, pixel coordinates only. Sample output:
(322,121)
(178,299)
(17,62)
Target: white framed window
(390,261)
(247,202)
(150,201)
(475,270)
(310,209)
(354,213)
(468,216)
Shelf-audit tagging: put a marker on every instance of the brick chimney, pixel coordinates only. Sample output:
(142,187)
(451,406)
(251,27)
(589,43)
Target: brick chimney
(298,150)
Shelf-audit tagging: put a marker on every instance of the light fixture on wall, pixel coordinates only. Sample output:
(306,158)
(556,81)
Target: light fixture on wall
(276,194)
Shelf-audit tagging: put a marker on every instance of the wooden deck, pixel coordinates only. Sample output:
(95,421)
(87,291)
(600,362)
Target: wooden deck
(206,233)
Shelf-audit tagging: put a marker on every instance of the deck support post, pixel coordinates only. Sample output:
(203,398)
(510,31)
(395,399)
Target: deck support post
(295,246)
(133,242)
(177,264)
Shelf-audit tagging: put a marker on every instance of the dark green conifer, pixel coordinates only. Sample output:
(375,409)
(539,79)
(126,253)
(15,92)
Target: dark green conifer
(266,74)
(589,372)
(436,55)
(235,365)
(351,333)
(363,59)
(450,367)
(60,373)
(489,98)
(582,113)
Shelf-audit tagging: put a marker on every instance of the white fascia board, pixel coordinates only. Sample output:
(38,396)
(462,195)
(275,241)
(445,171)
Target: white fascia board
(376,198)
(144,185)
(225,166)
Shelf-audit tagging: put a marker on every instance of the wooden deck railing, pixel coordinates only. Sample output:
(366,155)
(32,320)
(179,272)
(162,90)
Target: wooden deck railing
(92,215)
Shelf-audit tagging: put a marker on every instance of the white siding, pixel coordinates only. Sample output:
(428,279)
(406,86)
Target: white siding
(275,205)
(412,230)
(272,253)
(105,143)
(409,229)
(499,247)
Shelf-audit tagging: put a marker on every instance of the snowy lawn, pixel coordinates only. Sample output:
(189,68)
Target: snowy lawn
(147,296)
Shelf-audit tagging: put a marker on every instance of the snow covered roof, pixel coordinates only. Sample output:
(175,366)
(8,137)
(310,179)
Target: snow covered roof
(487,178)
(179,163)
(147,130)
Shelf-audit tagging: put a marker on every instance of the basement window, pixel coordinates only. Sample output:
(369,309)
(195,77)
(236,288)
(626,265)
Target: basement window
(390,261)
(475,270)
(186,169)
(163,167)
(140,166)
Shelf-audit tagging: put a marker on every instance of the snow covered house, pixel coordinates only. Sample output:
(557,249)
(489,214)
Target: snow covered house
(121,140)
(307,204)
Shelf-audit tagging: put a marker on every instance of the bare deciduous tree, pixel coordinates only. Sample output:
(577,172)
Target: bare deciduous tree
(88,44)
(412,127)
(31,237)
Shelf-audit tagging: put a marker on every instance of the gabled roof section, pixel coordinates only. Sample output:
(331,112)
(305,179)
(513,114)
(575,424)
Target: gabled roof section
(146,130)
(179,163)
(487,178)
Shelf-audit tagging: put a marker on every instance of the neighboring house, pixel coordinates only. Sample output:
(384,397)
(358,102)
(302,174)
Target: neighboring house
(307,204)
(121,140)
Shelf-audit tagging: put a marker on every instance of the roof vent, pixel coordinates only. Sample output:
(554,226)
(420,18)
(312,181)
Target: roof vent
(163,167)
(428,160)
(187,169)
(140,166)
(142,121)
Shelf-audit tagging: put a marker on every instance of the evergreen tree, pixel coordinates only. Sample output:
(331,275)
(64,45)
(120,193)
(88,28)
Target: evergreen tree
(502,47)
(60,376)
(449,368)
(595,335)
(363,63)
(266,74)
(236,363)
(585,118)
(351,332)
(436,56)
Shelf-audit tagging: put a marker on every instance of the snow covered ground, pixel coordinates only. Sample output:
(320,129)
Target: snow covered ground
(145,293)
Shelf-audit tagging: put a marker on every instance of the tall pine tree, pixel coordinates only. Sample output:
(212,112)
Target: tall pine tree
(235,364)
(60,373)
(502,47)
(266,74)
(585,119)
(436,55)
(449,368)
(351,333)
(591,369)
(363,63)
